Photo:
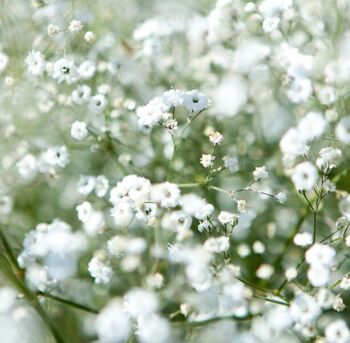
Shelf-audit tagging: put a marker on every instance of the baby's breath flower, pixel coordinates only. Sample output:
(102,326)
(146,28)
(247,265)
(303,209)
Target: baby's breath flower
(216,137)
(260,173)
(207,160)
(75,26)
(52,29)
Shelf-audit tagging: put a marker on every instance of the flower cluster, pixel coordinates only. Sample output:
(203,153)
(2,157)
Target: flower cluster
(197,153)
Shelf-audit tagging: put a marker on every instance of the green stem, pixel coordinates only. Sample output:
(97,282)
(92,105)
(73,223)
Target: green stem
(67,302)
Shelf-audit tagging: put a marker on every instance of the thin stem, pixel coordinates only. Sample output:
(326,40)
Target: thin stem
(67,302)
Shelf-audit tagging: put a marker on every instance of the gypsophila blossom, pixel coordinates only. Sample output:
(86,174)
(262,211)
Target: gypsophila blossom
(207,160)
(75,26)
(304,176)
(52,29)
(65,70)
(342,130)
(197,153)
(195,101)
(260,173)
(35,62)
(216,137)
(79,130)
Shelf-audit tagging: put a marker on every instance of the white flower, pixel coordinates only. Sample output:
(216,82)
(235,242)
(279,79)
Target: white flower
(173,98)
(304,176)
(204,211)
(86,184)
(65,70)
(327,95)
(265,271)
(320,255)
(52,29)
(216,137)
(166,194)
(338,304)
(122,214)
(27,167)
(79,130)
(270,24)
(75,26)
(227,217)
(57,156)
(149,115)
(231,163)
(84,211)
(87,70)
(97,103)
(241,206)
(35,62)
(337,332)
(342,130)
(89,36)
(331,155)
(304,309)
(100,270)
(139,302)
(292,143)
(207,160)
(303,239)
(101,186)
(260,173)
(195,101)
(311,126)
(281,197)
(113,316)
(300,90)
(81,94)
(217,245)
(318,276)
(153,329)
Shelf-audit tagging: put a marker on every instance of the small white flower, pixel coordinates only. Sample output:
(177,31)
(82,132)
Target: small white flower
(27,167)
(281,197)
(265,271)
(35,62)
(231,163)
(260,173)
(139,302)
(207,160)
(216,137)
(97,103)
(87,70)
(100,270)
(342,130)
(81,94)
(227,218)
(337,332)
(195,101)
(110,317)
(217,245)
(305,176)
(89,36)
(52,29)
(75,26)
(242,206)
(79,130)
(65,70)
(304,309)
(303,239)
